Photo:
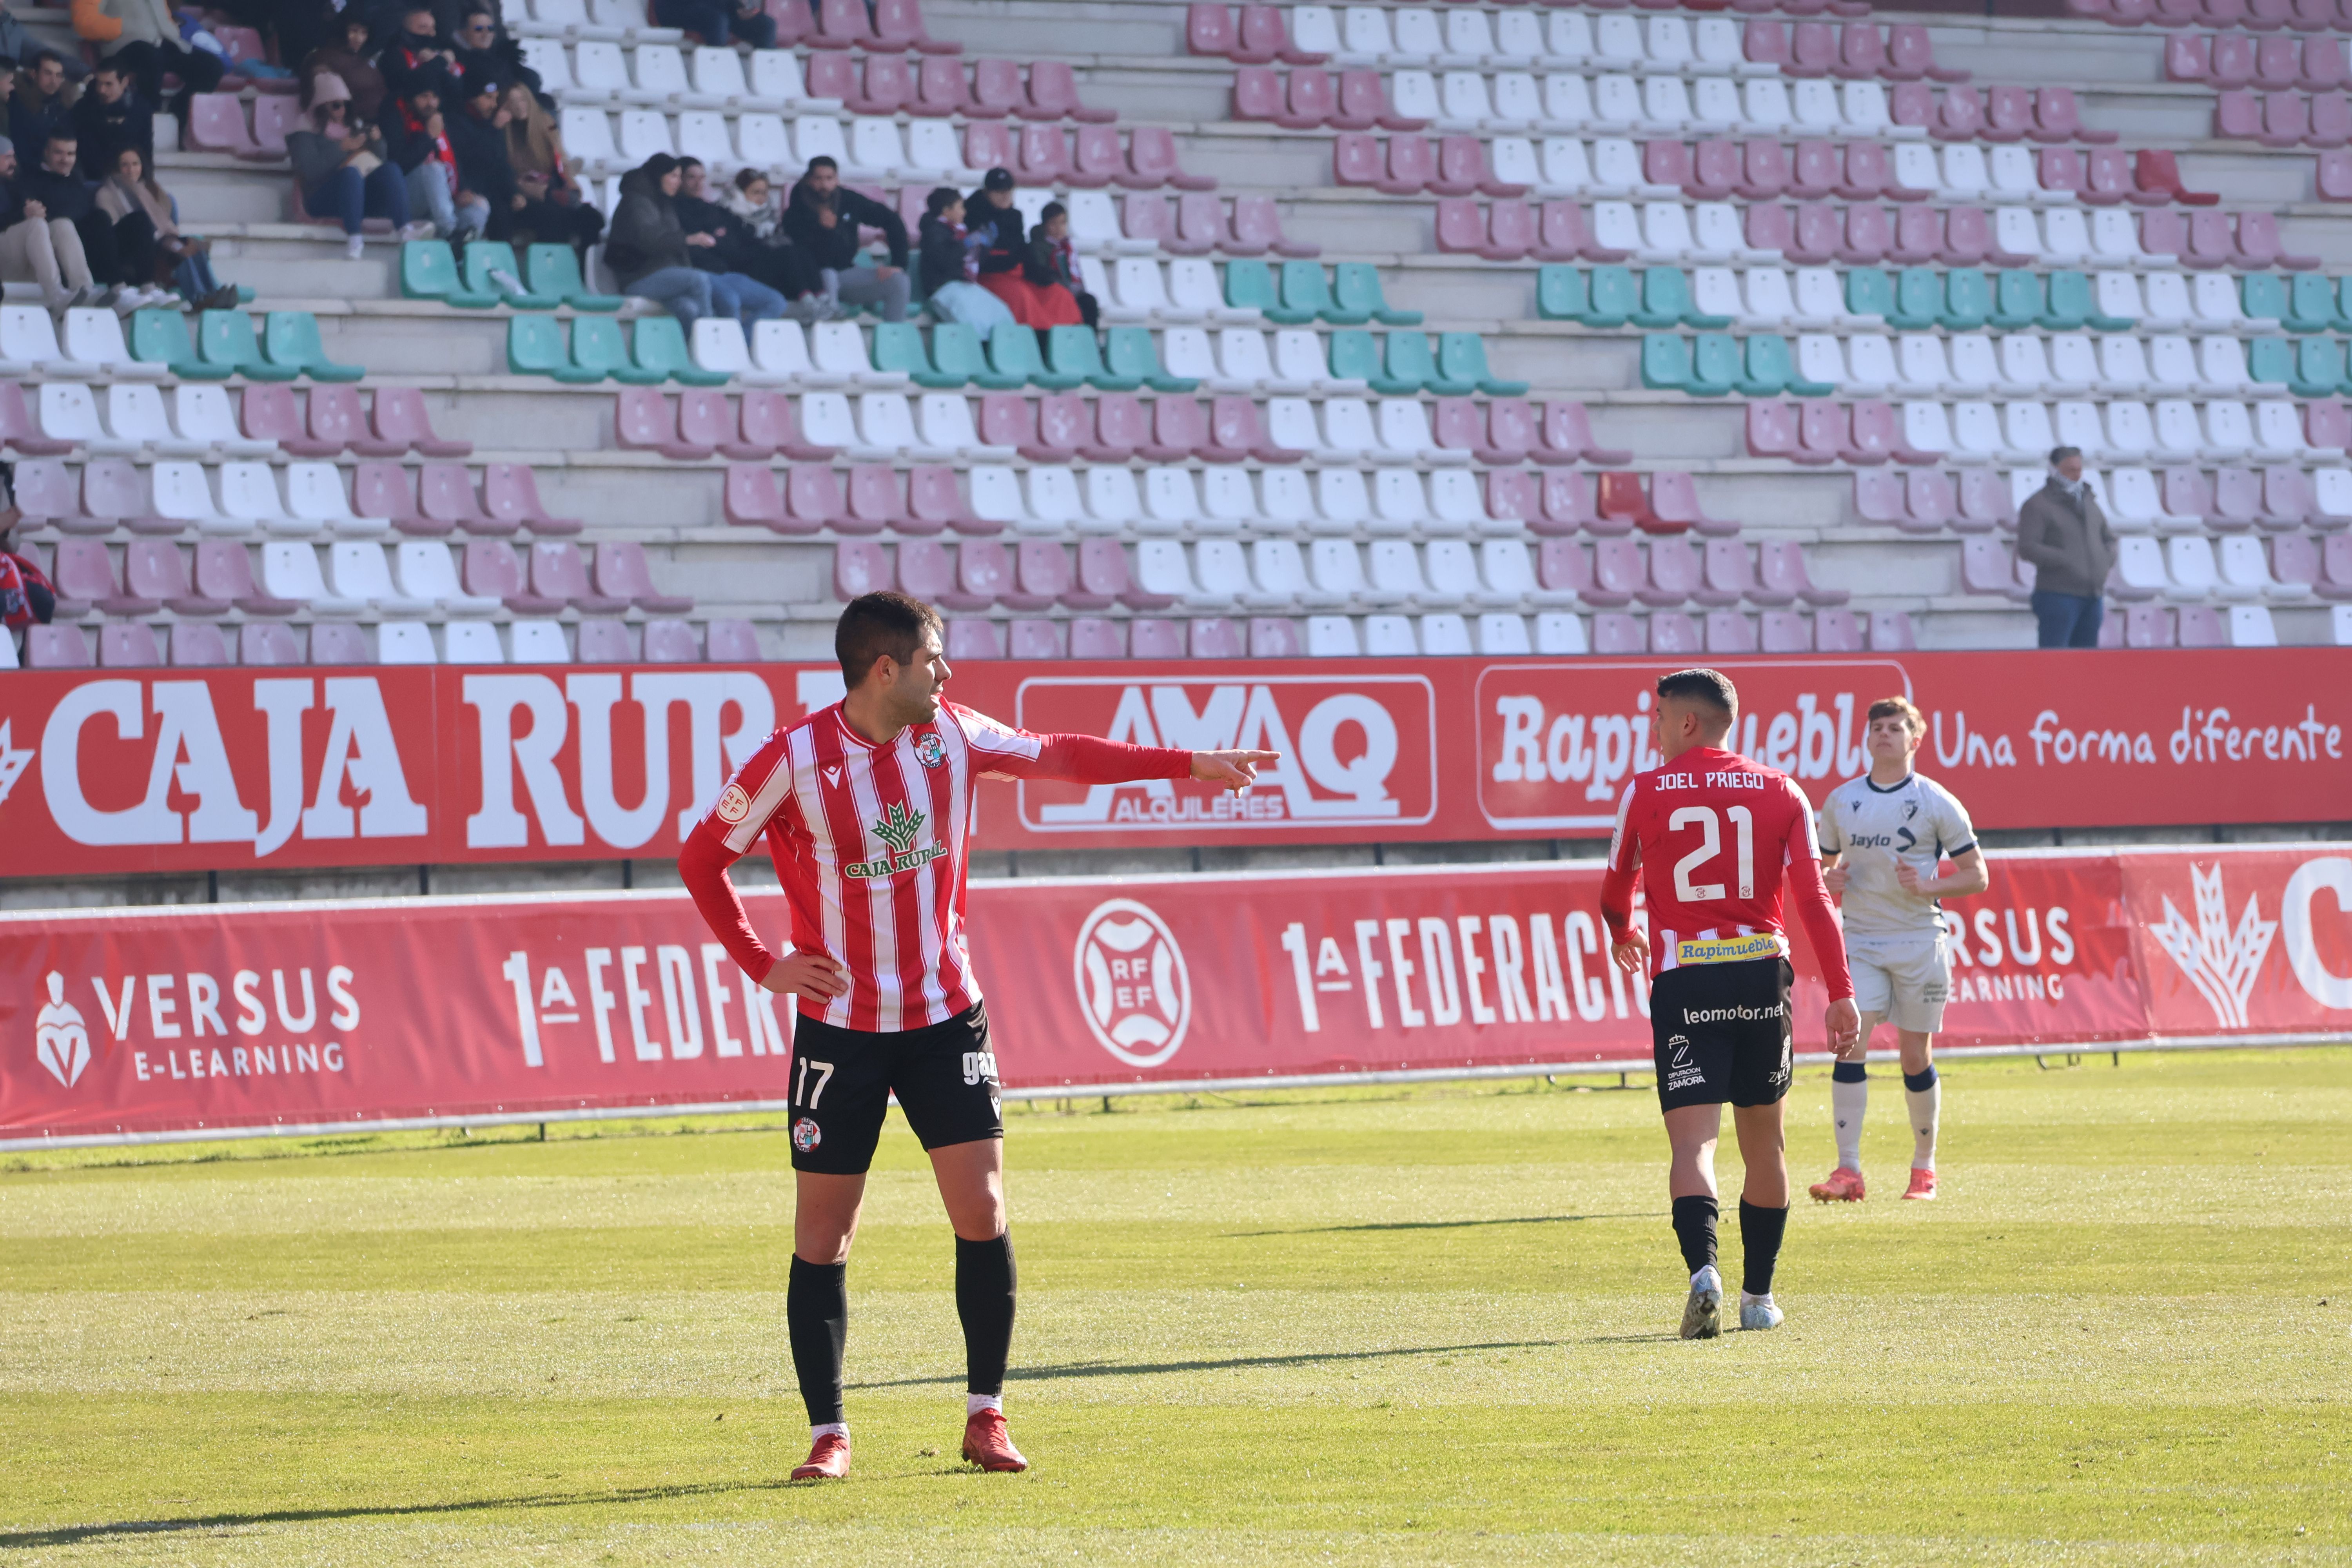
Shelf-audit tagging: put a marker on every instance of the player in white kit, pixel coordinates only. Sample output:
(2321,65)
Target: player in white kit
(1883,837)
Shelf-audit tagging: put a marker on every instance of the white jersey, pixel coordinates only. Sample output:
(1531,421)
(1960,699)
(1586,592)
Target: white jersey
(1916,821)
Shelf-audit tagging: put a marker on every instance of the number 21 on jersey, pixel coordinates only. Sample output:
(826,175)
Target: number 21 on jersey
(1707,820)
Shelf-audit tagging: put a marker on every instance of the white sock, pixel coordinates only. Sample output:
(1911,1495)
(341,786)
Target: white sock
(830,1429)
(1926,1108)
(1847,1102)
(973,1404)
(1748,1300)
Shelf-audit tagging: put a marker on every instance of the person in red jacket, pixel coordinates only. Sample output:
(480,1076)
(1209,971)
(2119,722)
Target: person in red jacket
(27,596)
(1714,837)
(866,807)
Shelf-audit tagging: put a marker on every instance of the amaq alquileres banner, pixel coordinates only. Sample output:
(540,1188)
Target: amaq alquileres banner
(267,1017)
(122,771)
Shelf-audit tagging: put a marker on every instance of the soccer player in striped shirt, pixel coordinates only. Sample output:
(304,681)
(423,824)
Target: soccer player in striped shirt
(1713,835)
(866,807)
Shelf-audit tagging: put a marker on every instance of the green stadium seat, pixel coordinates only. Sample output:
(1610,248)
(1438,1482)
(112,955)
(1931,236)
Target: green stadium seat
(597,345)
(1918,299)
(161,337)
(428,271)
(2319,370)
(1014,361)
(1074,350)
(2310,304)
(898,346)
(1307,294)
(484,257)
(1560,292)
(292,338)
(2017,301)
(1462,359)
(1716,366)
(1130,351)
(225,338)
(1869,292)
(956,356)
(1611,297)
(1249,286)
(2263,296)
(1356,286)
(555,269)
(1666,302)
(1770,363)
(1665,362)
(657,344)
(536,347)
(2073,305)
(1968,300)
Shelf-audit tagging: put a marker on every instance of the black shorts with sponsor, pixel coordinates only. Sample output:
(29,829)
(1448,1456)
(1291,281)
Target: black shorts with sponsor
(1720,1031)
(944,1076)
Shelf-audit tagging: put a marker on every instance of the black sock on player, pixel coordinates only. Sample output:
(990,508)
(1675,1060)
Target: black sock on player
(986,1283)
(817,1320)
(1760,1230)
(1694,1228)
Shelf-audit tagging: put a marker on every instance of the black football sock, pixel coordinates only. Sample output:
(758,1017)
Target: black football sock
(1760,1230)
(1694,1228)
(816,1318)
(985,1284)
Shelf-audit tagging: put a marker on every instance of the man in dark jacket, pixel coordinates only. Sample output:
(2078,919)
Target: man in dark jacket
(109,117)
(35,248)
(418,55)
(40,106)
(478,136)
(821,216)
(484,53)
(119,253)
(2061,530)
(417,138)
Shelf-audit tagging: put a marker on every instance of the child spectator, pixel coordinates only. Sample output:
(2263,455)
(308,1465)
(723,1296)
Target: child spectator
(950,264)
(1054,260)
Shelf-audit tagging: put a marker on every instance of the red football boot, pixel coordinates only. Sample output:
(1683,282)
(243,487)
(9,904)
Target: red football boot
(1923,1185)
(1845,1186)
(987,1445)
(828,1459)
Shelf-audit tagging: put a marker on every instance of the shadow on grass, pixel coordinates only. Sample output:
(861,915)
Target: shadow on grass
(71,1534)
(1440,1223)
(1231,1363)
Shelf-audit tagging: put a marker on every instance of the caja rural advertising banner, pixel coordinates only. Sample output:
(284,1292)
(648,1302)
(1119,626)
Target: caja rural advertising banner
(184,770)
(263,1018)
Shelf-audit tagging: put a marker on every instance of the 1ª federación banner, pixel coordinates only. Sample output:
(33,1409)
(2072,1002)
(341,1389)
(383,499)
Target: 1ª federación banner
(230,1019)
(178,770)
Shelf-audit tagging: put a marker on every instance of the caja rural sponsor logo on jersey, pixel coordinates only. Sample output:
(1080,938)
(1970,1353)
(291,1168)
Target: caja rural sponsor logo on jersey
(1133,988)
(189,1026)
(1556,741)
(1358,752)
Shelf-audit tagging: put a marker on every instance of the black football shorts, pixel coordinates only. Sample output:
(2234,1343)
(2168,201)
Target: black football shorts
(943,1074)
(1720,1031)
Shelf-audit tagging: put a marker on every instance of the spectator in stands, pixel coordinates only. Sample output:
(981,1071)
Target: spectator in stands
(821,216)
(121,252)
(35,247)
(951,263)
(2061,530)
(715,22)
(419,56)
(353,61)
(651,253)
(483,51)
(187,257)
(340,170)
(1010,267)
(145,36)
(416,138)
(109,118)
(25,596)
(478,135)
(41,103)
(774,259)
(717,244)
(1054,260)
(16,43)
(541,170)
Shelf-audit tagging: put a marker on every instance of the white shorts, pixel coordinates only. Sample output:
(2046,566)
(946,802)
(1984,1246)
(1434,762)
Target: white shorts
(1905,980)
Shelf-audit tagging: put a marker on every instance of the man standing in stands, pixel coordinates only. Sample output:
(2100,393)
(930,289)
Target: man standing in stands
(821,216)
(2061,530)
(866,808)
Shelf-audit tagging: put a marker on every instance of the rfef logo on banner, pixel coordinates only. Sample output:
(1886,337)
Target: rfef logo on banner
(1131,982)
(1361,750)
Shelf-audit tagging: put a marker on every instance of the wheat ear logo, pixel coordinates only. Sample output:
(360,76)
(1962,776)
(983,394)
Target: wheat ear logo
(13,762)
(2221,961)
(898,828)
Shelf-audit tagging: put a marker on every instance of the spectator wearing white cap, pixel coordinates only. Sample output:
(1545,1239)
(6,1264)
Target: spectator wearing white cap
(35,247)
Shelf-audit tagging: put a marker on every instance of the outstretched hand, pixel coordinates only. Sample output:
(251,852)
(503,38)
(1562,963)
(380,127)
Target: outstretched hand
(1236,770)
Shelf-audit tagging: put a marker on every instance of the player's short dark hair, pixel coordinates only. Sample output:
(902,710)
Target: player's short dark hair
(878,623)
(1901,708)
(1708,687)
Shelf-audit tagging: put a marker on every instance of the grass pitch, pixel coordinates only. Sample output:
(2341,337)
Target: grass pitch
(1415,1326)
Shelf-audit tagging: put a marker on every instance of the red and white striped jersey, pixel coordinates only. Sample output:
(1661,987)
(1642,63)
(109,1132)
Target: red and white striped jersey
(1716,836)
(870,844)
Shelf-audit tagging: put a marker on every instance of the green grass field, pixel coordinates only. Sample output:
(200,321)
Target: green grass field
(1420,1326)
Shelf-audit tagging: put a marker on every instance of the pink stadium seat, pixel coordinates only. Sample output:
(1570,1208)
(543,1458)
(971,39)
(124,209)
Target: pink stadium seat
(842,25)
(1565,506)
(511,497)
(1152,157)
(402,424)
(887,86)
(1122,426)
(445,494)
(941,88)
(898,24)
(875,503)
(1210,29)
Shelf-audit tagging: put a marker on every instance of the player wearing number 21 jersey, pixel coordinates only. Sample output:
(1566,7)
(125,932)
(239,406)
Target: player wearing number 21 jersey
(1718,839)
(866,807)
